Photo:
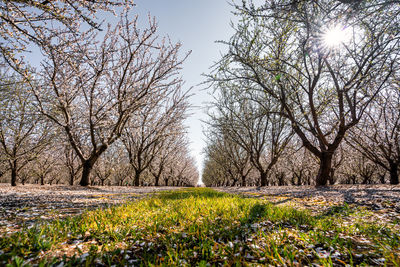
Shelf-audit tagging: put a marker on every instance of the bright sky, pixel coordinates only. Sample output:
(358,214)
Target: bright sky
(197,25)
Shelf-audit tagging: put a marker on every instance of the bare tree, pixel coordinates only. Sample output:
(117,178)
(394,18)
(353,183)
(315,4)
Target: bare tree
(184,170)
(147,132)
(377,136)
(71,162)
(301,164)
(229,156)
(165,155)
(91,91)
(213,175)
(45,163)
(215,151)
(104,169)
(23,133)
(258,129)
(324,83)
(26,22)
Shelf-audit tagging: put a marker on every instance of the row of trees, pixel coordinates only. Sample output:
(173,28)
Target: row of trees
(109,108)
(308,93)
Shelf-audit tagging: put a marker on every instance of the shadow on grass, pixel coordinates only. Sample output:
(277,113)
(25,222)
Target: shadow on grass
(196,241)
(199,246)
(343,210)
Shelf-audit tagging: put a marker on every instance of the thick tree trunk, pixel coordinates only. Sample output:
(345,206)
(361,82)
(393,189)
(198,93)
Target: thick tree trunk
(332,177)
(263,178)
(137,179)
(243,180)
(166,182)
(325,168)
(87,167)
(157,180)
(394,175)
(88,164)
(14,173)
(41,179)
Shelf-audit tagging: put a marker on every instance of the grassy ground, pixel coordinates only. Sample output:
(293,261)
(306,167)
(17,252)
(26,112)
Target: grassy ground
(202,227)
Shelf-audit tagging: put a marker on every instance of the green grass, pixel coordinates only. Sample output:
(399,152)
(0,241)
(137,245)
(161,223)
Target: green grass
(202,227)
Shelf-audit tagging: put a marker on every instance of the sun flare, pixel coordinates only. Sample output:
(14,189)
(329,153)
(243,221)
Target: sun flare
(335,36)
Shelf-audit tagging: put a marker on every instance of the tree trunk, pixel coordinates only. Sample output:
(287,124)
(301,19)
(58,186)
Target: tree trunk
(41,179)
(88,164)
(332,177)
(14,173)
(157,180)
(299,180)
(354,179)
(71,179)
(137,178)
(234,183)
(325,168)
(166,182)
(394,176)
(382,178)
(86,169)
(263,178)
(243,180)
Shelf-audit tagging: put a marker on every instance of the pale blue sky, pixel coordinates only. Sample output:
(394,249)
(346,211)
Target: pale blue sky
(197,24)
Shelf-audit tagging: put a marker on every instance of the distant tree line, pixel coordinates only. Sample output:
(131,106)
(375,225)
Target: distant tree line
(101,109)
(291,108)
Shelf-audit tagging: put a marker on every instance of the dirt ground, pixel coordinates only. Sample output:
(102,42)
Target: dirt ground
(27,204)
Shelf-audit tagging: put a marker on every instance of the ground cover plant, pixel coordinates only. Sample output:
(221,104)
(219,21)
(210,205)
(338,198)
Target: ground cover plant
(204,227)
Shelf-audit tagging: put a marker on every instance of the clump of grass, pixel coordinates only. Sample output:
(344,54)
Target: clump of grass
(196,227)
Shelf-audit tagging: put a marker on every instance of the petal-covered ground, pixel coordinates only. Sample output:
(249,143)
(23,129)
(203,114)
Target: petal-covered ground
(282,226)
(383,200)
(27,204)
(376,196)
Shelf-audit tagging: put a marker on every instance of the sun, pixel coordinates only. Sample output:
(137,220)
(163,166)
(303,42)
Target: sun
(335,36)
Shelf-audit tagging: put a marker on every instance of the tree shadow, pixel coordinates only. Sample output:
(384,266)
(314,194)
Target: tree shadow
(202,247)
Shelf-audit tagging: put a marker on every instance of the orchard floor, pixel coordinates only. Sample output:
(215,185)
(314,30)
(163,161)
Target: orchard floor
(381,198)
(381,201)
(341,225)
(27,204)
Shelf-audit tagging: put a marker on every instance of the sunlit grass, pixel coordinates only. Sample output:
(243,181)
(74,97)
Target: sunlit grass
(196,227)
